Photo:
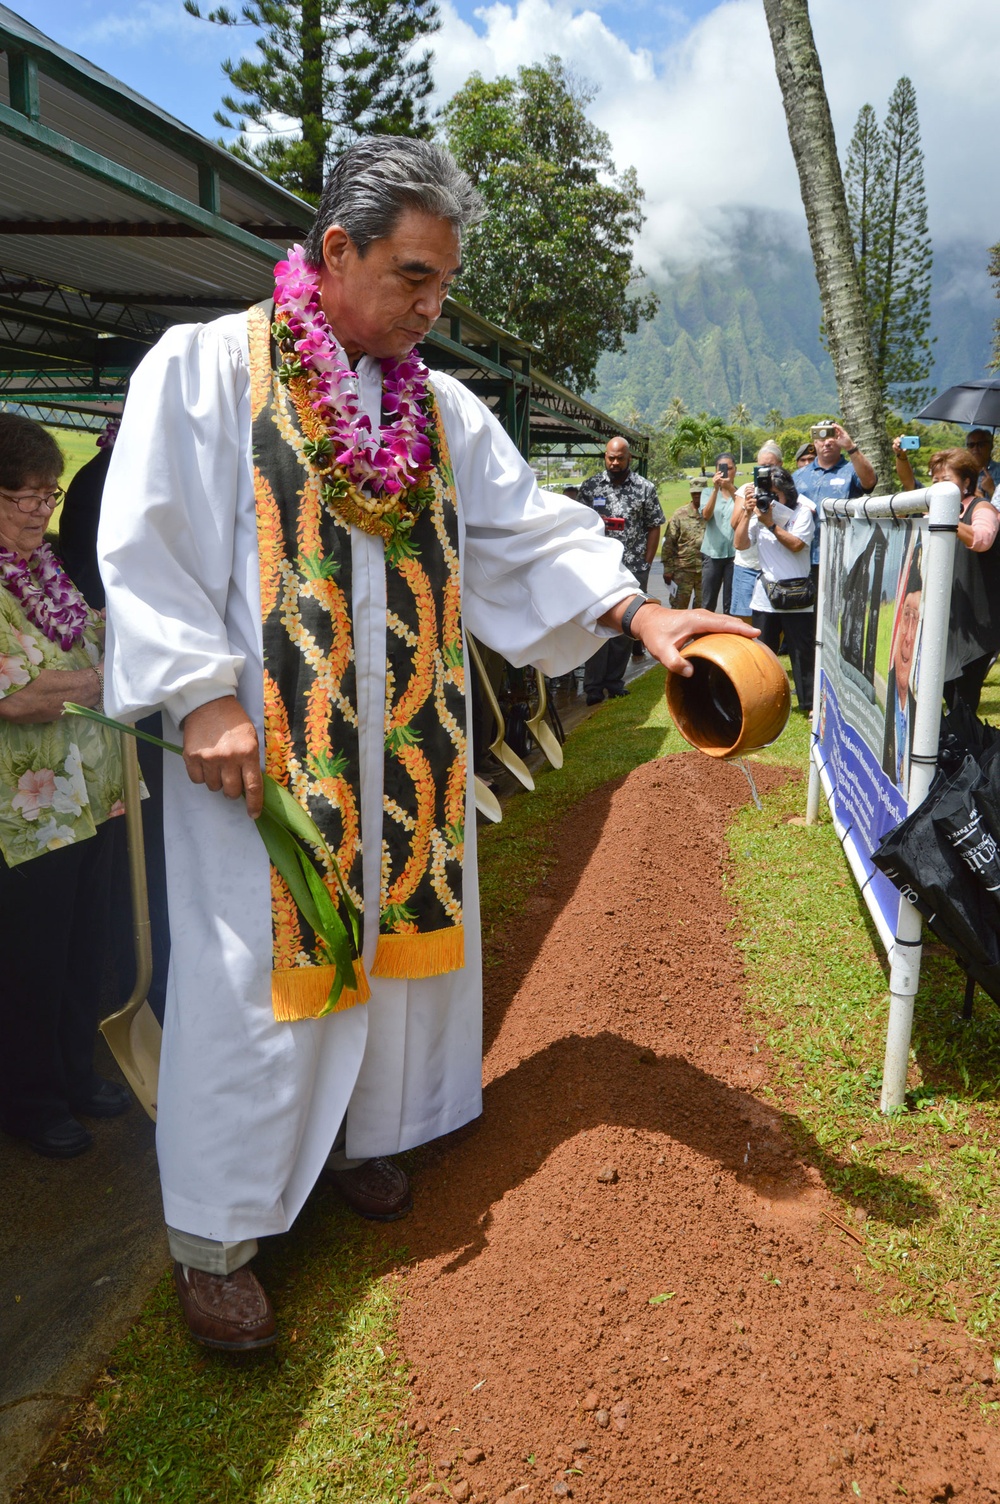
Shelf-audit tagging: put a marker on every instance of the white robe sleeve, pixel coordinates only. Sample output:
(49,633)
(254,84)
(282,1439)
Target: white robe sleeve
(168,519)
(538,570)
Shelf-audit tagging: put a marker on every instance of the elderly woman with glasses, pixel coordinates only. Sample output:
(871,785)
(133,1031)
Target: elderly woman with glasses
(60,780)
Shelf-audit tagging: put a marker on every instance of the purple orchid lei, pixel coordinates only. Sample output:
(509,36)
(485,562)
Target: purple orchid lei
(46,594)
(384,463)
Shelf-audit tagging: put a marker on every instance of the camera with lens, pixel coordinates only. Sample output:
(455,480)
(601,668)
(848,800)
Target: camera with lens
(763,486)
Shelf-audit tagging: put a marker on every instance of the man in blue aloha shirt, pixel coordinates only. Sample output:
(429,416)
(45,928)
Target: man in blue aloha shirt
(838,473)
(629,506)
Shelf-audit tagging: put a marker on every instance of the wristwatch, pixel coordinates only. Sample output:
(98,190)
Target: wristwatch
(640,600)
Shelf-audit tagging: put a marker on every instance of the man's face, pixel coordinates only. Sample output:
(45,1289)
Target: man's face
(902,658)
(616,457)
(827,452)
(384,302)
(980,446)
(696,500)
(805,459)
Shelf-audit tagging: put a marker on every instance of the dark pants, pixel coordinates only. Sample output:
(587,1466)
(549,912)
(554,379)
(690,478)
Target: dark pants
(969,684)
(799,628)
(605,671)
(716,575)
(54,929)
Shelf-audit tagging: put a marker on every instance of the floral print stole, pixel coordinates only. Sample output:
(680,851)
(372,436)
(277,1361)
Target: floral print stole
(311,707)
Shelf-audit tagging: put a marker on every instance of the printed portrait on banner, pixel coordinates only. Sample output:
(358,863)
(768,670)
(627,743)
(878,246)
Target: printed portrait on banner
(903,671)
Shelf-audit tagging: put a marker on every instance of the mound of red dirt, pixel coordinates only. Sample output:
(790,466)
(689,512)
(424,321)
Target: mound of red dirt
(626,1285)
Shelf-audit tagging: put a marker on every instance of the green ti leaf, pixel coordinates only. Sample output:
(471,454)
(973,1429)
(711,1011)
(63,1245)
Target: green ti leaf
(282,824)
(106,720)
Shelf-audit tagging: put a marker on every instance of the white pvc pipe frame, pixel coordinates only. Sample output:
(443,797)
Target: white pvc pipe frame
(942,505)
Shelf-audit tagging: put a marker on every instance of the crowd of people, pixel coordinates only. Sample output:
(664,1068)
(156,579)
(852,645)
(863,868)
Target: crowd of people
(749,551)
(712,552)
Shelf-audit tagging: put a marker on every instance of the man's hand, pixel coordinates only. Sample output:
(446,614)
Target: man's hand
(222,752)
(663,633)
(987,485)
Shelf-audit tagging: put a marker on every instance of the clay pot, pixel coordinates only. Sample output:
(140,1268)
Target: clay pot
(736,701)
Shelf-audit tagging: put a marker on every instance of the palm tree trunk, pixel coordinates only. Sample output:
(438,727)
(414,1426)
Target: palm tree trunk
(814,147)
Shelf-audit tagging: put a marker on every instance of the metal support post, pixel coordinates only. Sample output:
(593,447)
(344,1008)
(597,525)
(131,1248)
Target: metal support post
(938,567)
(813,795)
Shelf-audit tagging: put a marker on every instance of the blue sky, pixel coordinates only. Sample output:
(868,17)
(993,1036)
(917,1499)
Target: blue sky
(687,92)
(157,49)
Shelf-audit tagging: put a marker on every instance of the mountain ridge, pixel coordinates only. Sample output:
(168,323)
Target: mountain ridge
(744,327)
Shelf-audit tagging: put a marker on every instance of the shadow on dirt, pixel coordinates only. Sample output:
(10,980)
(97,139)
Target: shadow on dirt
(583,1082)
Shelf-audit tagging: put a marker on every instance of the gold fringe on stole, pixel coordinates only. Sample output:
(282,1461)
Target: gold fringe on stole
(302,992)
(428,955)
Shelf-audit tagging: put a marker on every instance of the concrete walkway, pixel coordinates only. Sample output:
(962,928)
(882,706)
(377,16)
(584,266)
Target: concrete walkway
(81,1245)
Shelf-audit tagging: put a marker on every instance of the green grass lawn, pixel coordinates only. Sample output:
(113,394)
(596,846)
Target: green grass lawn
(321,1418)
(77,448)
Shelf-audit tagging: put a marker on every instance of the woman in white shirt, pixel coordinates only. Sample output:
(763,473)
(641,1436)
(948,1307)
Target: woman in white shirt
(781,524)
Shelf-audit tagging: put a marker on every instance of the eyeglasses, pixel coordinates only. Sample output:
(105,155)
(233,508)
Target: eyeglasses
(30,503)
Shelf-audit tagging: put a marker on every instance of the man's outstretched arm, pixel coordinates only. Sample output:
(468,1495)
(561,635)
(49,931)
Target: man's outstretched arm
(663,633)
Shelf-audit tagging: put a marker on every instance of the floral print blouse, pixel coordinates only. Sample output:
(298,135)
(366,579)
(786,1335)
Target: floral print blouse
(60,779)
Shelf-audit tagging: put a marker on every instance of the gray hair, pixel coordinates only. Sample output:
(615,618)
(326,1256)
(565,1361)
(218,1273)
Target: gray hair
(771,446)
(372,184)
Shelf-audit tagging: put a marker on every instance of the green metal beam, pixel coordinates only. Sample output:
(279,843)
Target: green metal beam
(470,355)
(566,422)
(22,71)
(59,148)
(83,80)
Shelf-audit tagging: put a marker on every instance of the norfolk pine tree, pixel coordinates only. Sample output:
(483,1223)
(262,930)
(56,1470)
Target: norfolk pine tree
(329,71)
(814,147)
(552,262)
(864,184)
(884,179)
(903,298)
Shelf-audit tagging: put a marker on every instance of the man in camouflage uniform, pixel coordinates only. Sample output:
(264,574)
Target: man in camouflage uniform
(681,551)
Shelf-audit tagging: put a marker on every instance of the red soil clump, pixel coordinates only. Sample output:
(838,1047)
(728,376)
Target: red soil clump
(625,1288)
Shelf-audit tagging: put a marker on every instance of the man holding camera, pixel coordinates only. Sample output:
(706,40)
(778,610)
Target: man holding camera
(628,506)
(839,472)
(780,524)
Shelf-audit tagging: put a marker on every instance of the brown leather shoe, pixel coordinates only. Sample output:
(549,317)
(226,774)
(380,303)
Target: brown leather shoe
(378,1189)
(230,1311)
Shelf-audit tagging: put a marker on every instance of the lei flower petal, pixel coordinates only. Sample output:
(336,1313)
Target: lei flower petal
(46,594)
(383,462)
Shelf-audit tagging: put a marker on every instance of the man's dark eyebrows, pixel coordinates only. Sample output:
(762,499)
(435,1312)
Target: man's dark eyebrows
(422,269)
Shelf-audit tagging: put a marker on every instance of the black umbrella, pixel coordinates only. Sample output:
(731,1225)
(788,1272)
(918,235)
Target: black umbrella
(974,403)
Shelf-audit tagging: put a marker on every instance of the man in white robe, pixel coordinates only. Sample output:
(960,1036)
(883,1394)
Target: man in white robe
(249,1109)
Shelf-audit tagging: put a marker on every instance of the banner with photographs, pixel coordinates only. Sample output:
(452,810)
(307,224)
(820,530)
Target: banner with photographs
(869,683)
